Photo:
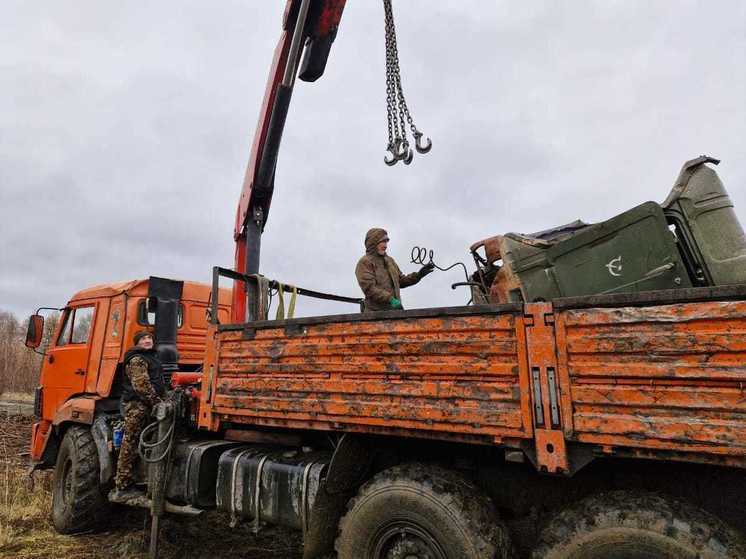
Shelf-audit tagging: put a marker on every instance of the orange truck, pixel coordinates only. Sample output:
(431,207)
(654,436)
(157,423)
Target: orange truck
(583,426)
(562,429)
(96,326)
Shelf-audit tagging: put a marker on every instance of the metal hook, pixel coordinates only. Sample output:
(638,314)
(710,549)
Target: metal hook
(418,146)
(410,155)
(401,149)
(394,159)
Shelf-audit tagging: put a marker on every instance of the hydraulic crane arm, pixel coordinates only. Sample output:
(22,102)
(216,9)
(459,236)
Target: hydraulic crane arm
(310,25)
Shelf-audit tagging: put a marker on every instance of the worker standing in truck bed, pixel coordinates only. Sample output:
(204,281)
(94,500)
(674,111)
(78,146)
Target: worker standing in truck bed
(379,276)
(143,386)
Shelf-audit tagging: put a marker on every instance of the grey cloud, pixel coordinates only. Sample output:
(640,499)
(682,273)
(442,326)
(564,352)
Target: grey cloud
(125,131)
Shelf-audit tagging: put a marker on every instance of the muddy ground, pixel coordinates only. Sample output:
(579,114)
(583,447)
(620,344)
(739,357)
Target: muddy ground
(26,530)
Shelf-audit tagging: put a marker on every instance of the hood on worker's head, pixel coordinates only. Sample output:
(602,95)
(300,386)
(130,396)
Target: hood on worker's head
(373,237)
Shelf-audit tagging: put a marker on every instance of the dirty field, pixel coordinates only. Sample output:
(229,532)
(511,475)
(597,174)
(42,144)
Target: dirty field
(26,530)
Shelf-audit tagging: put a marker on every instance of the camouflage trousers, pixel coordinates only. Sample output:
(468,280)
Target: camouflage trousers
(135,418)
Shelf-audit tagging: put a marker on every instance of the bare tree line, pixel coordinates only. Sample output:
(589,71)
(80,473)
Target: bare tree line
(19,365)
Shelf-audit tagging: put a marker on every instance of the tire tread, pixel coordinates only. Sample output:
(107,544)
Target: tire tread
(459,495)
(652,512)
(86,511)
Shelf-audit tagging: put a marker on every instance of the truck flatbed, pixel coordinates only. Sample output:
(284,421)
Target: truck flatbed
(650,375)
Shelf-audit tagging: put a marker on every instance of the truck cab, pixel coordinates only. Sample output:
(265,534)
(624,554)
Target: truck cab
(79,374)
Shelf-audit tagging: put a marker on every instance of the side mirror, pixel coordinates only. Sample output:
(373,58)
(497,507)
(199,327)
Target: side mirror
(35,331)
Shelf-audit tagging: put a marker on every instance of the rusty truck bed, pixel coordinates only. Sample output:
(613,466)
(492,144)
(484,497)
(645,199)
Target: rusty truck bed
(656,375)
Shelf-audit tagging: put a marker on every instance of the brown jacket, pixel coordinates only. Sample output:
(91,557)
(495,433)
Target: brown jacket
(379,277)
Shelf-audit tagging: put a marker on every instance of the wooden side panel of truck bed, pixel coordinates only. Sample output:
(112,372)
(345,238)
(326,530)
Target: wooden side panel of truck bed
(667,377)
(659,375)
(455,377)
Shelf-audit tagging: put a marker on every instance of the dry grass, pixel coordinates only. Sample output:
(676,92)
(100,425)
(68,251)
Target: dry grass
(26,530)
(20,504)
(18,397)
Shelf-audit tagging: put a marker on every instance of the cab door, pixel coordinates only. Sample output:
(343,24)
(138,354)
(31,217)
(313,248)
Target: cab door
(66,363)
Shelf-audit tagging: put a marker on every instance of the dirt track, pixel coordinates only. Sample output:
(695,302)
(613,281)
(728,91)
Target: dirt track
(16,408)
(26,530)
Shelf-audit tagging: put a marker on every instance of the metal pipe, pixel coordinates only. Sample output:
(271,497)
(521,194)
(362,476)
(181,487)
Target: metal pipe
(253,251)
(288,78)
(167,294)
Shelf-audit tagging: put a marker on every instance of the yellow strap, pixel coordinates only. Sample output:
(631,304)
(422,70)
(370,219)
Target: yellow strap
(293,297)
(263,298)
(280,302)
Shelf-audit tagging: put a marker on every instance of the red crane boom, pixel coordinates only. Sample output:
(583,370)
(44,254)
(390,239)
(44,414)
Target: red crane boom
(310,26)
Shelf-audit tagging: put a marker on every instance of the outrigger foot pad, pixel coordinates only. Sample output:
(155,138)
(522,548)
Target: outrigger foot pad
(129,496)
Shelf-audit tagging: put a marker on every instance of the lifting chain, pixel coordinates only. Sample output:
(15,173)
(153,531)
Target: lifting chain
(397,112)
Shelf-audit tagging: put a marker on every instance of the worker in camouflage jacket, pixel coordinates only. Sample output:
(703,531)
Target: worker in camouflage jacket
(380,278)
(143,386)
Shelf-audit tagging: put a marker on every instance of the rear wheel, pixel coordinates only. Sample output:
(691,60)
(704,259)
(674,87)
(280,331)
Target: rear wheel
(78,501)
(627,525)
(421,512)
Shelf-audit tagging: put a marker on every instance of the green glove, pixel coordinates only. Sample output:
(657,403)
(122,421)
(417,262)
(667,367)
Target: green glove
(395,303)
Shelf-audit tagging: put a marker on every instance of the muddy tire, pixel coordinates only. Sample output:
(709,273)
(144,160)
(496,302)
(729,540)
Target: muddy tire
(78,501)
(421,511)
(628,525)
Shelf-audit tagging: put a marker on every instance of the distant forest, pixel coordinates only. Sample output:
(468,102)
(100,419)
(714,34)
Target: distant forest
(19,365)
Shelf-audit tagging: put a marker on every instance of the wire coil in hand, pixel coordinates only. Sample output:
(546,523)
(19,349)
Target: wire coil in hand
(423,256)
(420,255)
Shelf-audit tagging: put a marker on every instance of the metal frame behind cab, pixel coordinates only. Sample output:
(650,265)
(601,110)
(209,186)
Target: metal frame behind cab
(252,280)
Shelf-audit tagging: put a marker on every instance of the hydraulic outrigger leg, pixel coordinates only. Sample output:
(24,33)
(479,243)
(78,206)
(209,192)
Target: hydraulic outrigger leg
(158,456)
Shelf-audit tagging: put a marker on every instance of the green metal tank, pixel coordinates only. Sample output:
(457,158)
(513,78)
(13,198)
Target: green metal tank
(634,251)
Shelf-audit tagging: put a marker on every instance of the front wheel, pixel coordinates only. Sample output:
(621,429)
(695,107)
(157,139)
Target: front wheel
(421,512)
(78,501)
(630,525)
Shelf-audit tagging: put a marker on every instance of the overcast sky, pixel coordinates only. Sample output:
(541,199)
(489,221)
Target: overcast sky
(125,130)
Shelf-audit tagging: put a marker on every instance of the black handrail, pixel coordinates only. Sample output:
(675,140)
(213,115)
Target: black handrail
(218,272)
